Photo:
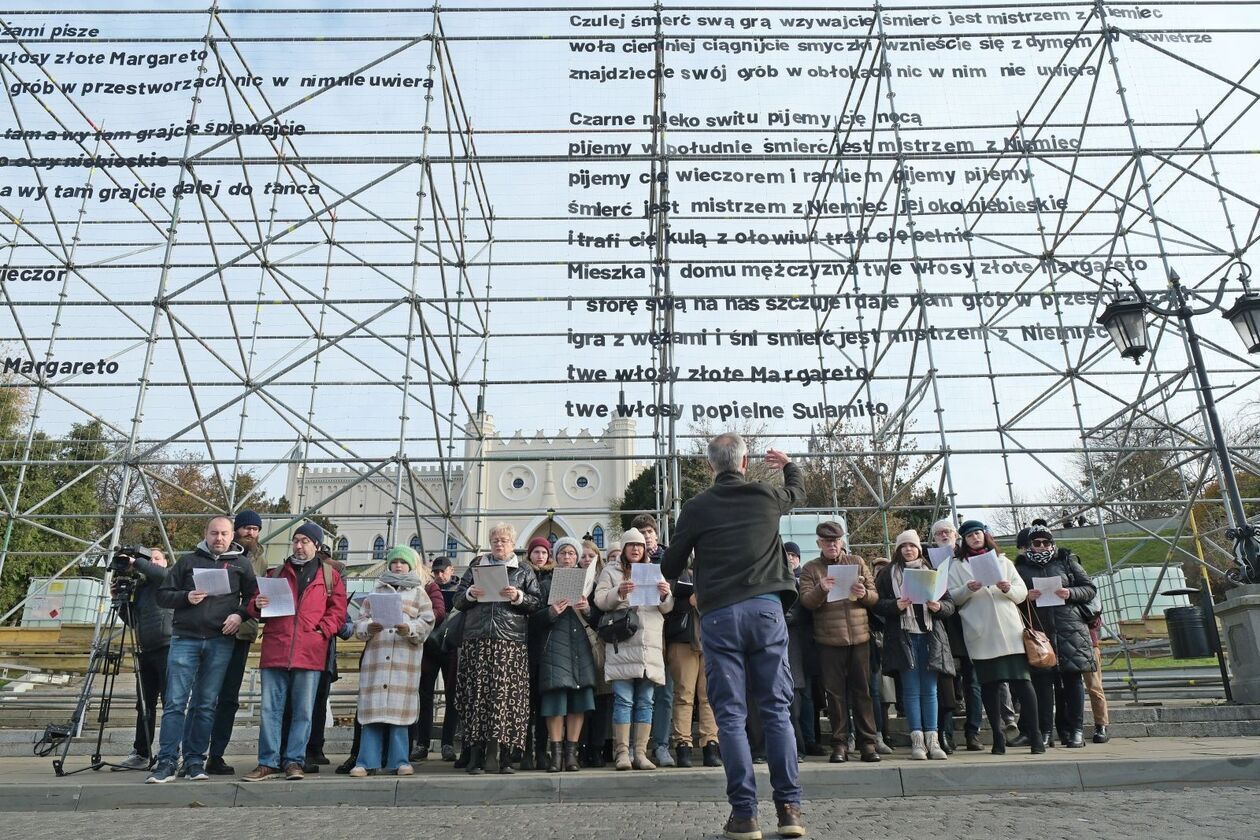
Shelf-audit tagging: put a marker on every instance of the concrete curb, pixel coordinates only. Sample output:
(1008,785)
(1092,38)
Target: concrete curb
(699,785)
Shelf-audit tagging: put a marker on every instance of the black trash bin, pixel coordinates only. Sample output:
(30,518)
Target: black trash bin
(1187,634)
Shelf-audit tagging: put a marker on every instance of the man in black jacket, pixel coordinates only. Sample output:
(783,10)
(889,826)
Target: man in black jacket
(203,632)
(743,586)
(152,624)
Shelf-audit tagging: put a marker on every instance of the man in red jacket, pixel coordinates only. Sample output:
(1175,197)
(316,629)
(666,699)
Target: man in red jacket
(294,650)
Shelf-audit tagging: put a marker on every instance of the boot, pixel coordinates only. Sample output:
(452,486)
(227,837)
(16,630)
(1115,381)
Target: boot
(1101,735)
(1038,745)
(999,742)
(1076,739)
(505,760)
(918,751)
(642,732)
(621,746)
(684,755)
(571,756)
(465,755)
(712,758)
(554,762)
(933,747)
(540,756)
(527,758)
(973,743)
(947,740)
(476,760)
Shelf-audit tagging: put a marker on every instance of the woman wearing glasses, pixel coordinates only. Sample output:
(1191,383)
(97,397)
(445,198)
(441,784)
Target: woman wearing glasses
(994,634)
(1068,632)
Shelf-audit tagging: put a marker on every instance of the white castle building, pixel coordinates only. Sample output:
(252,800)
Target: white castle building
(544,486)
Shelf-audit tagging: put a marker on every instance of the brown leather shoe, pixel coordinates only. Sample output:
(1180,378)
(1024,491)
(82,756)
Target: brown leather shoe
(870,755)
(293,771)
(259,773)
(839,754)
(741,828)
(790,822)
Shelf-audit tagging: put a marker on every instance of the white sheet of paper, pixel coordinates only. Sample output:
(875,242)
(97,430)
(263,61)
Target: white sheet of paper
(938,556)
(493,580)
(918,585)
(386,608)
(645,577)
(987,568)
(588,584)
(212,581)
(567,584)
(279,597)
(942,581)
(845,575)
(1047,586)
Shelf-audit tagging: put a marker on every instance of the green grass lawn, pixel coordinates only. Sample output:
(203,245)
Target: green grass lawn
(1150,552)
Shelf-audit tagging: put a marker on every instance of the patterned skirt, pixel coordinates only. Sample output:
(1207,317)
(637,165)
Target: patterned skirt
(492,691)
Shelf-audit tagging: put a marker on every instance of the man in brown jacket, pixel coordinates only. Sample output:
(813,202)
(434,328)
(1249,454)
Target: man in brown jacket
(843,632)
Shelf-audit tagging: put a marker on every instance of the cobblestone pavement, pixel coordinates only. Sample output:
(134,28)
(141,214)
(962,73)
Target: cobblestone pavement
(1220,813)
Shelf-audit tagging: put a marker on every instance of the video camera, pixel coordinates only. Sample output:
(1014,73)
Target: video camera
(122,566)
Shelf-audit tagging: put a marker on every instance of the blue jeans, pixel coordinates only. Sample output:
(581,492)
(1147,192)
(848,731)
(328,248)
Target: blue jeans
(374,738)
(632,700)
(194,674)
(281,687)
(746,644)
(663,711)
(918,688)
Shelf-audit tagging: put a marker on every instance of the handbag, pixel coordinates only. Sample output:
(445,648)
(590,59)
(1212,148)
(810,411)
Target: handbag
(1036,643)
(618,625)
(450,635)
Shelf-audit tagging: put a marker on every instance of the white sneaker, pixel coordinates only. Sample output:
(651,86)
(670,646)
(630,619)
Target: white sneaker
(663,758)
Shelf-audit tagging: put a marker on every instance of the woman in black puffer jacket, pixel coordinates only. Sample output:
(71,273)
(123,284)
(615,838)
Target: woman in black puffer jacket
(492,683)
(1069,635)
(566,667)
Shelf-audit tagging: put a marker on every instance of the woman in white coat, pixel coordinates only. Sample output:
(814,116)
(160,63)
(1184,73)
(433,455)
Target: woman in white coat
(637,665)
(994,634)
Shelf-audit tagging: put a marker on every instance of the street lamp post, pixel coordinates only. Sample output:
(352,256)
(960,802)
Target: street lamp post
(1125,322)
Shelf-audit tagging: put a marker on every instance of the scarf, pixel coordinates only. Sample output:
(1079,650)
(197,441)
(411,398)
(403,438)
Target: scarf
(908,617)
(1039,558)
(403,580)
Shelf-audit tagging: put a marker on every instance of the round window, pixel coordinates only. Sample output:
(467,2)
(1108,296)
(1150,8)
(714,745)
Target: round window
(518,483)
(582,481)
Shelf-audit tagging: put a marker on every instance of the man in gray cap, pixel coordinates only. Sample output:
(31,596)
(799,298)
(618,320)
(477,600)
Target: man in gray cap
(842,630)
(743,586)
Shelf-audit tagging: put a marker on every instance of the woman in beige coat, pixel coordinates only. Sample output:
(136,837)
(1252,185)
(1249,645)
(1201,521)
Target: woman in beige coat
(390,669)
(637,665)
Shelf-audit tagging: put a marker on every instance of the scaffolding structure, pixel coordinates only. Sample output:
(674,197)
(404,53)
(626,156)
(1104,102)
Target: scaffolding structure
(319,293)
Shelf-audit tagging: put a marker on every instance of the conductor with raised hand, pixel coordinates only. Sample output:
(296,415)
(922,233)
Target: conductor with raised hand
(743,585)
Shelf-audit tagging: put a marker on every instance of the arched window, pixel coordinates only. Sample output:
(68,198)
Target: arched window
(343,549)
(378,548)
(598,533)
(415,542)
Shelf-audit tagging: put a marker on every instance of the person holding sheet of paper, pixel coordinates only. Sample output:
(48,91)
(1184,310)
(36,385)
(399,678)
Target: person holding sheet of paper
(390,668)
(636,666)
(492,682)
(566,667)
(994,634)
(945,541)
(916,643)
(295,653)
(842,630)
(1065,625)
(203,632)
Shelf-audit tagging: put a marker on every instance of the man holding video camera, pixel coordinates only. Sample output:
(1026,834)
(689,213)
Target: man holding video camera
(135,588)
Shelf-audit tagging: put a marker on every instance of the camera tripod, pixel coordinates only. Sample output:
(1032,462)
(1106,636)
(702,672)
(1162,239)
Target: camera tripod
(109,645)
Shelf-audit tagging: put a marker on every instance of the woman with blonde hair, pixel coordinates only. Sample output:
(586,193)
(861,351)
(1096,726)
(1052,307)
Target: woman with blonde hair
(492,684)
